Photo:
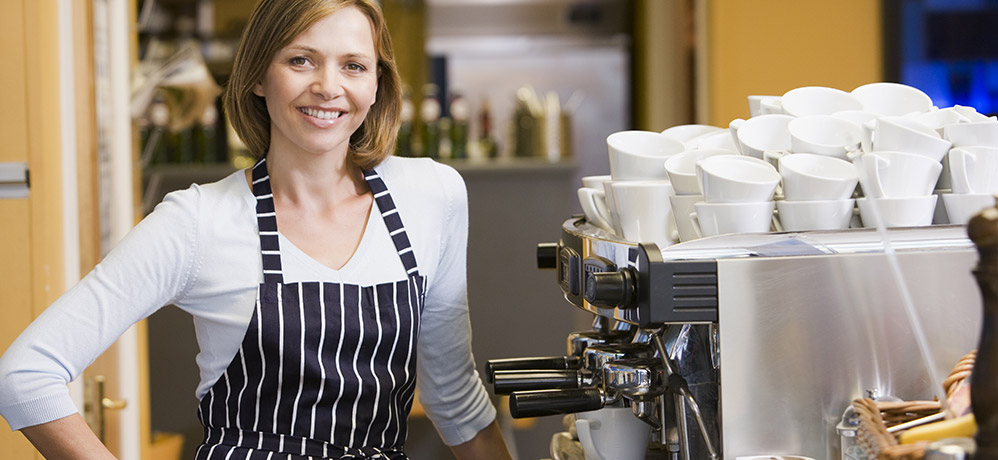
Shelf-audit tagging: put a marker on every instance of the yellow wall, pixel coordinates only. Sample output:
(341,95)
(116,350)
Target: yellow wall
(773,46)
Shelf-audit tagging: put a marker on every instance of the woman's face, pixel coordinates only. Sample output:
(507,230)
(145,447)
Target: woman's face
(320,87)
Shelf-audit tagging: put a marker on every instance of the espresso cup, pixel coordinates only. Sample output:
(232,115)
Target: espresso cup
(807,176)
(684,133)
(971,113)
(716,140)
(939,119)
(612,433)
(639,155)
(973,169)
(736,178)
(897,174)
(758,134)
(643,211)
(907,135)
(797,216)
(756,104)
(972,133)
(865,120)
(681,169)
(887,99)
(825,135)
(818,100)
(594,206)
(712,219)
(682,212)
(913,211)
(960,208)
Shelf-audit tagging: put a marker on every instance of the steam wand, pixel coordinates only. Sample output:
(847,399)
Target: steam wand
(678,384)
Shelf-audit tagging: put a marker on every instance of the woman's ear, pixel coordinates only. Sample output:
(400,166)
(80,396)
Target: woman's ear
(258,89)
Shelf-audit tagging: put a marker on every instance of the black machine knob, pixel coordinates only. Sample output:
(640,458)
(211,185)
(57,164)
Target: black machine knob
(506,382)
(547,255)
(539,403)
(612,289)
(535,363)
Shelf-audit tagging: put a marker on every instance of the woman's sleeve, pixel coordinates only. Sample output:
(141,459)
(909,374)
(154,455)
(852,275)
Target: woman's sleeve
(151,267)
(449,386)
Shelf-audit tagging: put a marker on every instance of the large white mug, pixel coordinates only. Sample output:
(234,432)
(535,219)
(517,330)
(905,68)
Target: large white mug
(825,135)
(972,133)
(639,155)
(913,211)
(960,208)
(808,176)
(612,433)
(595,208)
(643,211)
(736,178)
(796,216)
(904,134)
(758,134)
(682,172)
(818,100)
(721,218)
(886,98)
(974,169)
(897,174)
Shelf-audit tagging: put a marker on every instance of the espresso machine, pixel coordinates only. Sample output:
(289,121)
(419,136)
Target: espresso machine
(752,344)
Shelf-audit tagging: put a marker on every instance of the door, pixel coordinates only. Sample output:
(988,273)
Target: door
(53,234)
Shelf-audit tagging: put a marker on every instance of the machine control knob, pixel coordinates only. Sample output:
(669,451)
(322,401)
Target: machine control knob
(612,289)
(547,256)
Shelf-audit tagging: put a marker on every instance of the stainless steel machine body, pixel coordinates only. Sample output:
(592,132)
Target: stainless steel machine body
(782,331)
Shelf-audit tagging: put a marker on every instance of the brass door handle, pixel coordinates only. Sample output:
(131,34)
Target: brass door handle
(96,403)
(113,404)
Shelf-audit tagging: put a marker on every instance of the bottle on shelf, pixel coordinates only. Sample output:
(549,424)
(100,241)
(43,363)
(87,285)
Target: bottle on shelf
(459,115)
(429,115)
(158,142)
(486,138)
(206,137)
(403,144)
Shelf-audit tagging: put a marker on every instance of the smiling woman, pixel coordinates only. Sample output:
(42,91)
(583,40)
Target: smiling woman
(317,279)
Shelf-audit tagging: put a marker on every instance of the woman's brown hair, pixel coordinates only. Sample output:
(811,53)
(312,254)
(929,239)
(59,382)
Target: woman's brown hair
(272,26)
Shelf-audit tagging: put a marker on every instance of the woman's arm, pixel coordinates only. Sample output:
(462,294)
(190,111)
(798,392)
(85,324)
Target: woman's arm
(486,445)
(67,438)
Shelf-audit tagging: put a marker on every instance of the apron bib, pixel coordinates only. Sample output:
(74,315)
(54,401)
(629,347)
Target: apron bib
(326,370)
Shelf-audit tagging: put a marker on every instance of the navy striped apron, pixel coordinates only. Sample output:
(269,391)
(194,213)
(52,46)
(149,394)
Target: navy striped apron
(326,370)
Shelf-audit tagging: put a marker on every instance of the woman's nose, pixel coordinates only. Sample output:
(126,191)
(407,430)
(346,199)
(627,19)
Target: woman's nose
(326,84)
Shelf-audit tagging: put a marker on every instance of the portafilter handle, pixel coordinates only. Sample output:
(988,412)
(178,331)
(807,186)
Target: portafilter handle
(533,363)
(539,403)
(507,382)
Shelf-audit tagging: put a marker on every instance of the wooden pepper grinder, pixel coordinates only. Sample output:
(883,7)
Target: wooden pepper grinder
(983,230)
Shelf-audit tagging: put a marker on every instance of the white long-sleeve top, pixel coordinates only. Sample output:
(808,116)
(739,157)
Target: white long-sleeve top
(199,250)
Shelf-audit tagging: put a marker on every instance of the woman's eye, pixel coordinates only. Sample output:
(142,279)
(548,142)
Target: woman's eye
(355,67)
(298,61)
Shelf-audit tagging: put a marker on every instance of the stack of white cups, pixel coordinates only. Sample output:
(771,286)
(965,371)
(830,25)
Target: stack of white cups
(738,193)
(817,192)
(973,168)
(634,201)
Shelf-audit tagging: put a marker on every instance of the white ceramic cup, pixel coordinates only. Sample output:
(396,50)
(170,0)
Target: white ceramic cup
(972,133)
(595,182)
(758,134)
(897,174)
(807,176)
(611,203)
(757,103)
(886,98)
(907,135)
(736,178)
(716,140)
(825,135)
(971,113)
(595,208)
(639,155)
(612,433)
(973,169)
(712,219)
(913,211)
(684,133)
(681,169)
(960,208)
(939,119)
(818,100)
(796,216)
(643,211)
(682,212)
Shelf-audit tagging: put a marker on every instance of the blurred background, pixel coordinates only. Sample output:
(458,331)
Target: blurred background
(118,105)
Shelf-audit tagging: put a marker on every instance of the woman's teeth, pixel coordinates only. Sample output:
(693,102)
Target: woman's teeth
(321,114)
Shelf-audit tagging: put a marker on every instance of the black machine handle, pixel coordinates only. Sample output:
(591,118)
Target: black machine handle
(533,363)
(539,403)
(612,289)
(547,255)
(507,382)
